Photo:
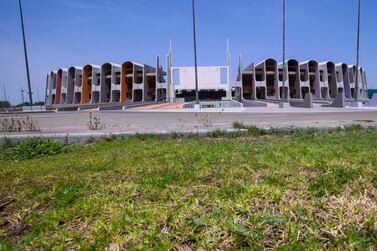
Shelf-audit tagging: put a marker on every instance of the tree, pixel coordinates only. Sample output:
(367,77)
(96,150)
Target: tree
(4,104)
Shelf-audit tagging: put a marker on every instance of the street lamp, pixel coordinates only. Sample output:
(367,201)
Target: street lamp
(284,67)
(26,59)
(195,56)
(357,53)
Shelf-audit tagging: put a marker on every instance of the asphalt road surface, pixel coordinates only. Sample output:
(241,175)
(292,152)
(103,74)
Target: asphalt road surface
(176,120)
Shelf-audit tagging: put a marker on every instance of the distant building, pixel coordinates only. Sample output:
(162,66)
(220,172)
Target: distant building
(131,82)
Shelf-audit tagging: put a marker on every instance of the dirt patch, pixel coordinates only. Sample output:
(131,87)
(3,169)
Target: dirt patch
(15,230)
(5,202)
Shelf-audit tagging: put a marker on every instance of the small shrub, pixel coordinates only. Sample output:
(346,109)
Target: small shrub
(252,130)
(217,133)
(206,121)
(353,128)
(7,143)
(95,123)
(255,131)
(145,136)
(239,125)
(305,134)
(17,123)
(91,140)
(35,148)
(109,138)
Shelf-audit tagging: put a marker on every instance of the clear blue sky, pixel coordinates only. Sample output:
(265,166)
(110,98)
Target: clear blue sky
(61,33)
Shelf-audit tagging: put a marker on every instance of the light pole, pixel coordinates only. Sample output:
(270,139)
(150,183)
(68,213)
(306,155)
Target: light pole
(5,93)
(284,67)
(22,96)
(357,53)
(26,58)
(195,56)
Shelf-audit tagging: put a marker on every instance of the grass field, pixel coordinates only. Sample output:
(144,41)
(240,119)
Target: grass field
(301,190)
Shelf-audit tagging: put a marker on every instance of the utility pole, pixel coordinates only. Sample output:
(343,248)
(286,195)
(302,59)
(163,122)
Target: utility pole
(38,99)
(22,96)
(357,53)
(195,55)
(284,67)
(38,95)
(5,94)
(26,58)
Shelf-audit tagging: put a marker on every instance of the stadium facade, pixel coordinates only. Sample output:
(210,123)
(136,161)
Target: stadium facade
(132,82)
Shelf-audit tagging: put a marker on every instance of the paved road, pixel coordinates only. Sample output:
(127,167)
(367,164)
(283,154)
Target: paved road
(176,120)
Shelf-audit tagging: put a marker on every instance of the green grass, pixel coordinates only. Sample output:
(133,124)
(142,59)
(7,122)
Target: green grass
(302,190)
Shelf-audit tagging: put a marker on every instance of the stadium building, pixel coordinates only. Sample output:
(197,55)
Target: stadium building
(132,82)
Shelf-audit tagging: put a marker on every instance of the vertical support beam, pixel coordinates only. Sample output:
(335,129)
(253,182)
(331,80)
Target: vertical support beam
(229,91)
(170,85)
(240,77)
(158,89)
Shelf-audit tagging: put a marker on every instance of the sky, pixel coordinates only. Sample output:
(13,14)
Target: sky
(62,33)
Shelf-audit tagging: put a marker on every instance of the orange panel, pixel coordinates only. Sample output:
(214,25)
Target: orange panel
(124,84)
(86,87)
(58,86)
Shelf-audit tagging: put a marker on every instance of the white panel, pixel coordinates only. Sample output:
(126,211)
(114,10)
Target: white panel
(209,77)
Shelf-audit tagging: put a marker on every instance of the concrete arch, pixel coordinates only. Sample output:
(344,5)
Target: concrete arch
(324,80)
(62,77)
(343,81)
(150,83)
(161,85)
(364,84)
(271,71)
(248,82)
(47,93)
(74,87)
(314,80)
(139,77)
(53,86)
(331,78)
(260,87)
(90,84)
(340,72)
(281,78)
(71,84)
(93,73)
(294,78)
(87,77)
(127,74)
(48,98)
(352,79)
(110,83)
(304,79)
(78,85)
(58,87)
